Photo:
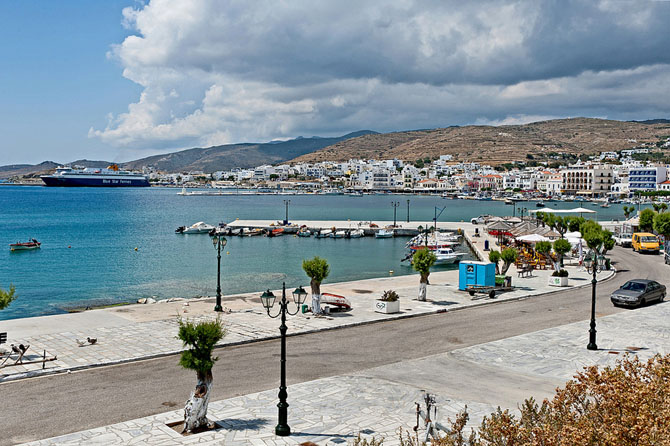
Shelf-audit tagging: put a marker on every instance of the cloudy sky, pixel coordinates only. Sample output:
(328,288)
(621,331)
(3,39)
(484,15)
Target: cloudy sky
(120,79)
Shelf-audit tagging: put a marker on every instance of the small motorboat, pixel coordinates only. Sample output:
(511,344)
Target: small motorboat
(323,233)
(336,302)
(540,204)
(384,233)
(338,234)
(18,246)
(304,232)
(275,232)
(197,228)
(253,232)
(356,233)
(447,256)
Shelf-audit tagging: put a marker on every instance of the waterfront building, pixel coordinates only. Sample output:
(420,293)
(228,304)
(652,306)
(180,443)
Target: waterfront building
(664,186)
(646,178)
(594,180)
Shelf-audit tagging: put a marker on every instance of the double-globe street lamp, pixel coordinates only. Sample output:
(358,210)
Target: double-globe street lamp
(395,205)
(268,299)
(594,263)
(219,242)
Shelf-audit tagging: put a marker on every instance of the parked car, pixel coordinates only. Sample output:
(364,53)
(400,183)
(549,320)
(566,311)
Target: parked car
(644,241)
(623,239)
(638,292)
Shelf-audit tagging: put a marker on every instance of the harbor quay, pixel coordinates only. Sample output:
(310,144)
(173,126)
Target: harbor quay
(375,403)
(142,331)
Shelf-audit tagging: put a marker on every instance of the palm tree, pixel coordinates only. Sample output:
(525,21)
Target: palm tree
(317,270)
(422,261)
(201,338)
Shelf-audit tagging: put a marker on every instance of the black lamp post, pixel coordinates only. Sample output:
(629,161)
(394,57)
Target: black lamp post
(219,242)
(268,299)
(593,263)
(395,205)
(286,202)
(407,211)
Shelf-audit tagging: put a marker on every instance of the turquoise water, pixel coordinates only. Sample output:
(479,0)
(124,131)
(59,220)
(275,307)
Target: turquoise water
(89,237)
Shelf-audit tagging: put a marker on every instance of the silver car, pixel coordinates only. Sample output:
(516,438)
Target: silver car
(638,292)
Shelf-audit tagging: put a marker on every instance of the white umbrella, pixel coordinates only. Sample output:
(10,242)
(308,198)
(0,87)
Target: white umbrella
(532,238)
(574,234)
(565,211)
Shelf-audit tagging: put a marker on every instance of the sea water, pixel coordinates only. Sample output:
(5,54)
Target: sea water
(104,246)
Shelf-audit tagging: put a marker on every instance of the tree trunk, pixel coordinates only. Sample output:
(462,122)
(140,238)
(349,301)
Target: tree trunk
(423,282)
(316,297)
(422,292)
(195,412)
(505,267)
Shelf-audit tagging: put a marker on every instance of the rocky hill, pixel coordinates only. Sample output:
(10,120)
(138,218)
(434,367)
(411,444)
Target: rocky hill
(225,157)
(497,145)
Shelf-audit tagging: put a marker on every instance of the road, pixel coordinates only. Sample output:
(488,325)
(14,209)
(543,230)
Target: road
(55,405)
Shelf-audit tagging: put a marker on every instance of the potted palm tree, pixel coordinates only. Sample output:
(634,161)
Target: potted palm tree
(388,303)
(200,338)
(317,270)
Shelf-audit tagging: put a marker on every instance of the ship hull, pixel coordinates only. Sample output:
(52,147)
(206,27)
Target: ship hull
(95,182)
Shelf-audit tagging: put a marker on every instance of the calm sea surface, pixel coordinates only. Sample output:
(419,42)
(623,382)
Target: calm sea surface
(89,237)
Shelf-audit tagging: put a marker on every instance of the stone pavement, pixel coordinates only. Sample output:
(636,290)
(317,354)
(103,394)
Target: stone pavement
(144,331)
(376,402)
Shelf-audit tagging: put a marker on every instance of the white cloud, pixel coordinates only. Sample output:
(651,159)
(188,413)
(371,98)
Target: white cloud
(216,71)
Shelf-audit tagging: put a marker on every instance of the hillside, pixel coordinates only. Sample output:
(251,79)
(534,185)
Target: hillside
(225,157)
(497,145)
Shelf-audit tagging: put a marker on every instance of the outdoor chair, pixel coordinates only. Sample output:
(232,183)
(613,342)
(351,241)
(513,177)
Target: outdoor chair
(526,271)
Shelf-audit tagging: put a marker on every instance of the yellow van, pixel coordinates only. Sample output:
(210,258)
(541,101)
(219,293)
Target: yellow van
(645,242)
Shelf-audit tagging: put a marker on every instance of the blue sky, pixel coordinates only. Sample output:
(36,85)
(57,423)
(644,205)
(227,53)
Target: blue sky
(119,80)
(56,80)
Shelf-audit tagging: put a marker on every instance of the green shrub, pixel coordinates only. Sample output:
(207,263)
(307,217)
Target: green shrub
(200,338)
(6,297)
(390,296)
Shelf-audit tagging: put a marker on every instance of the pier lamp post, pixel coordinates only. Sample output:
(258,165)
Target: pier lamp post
(286,202)
(395,205)
(219,242)
(594,263)
(407,211)
(268,299)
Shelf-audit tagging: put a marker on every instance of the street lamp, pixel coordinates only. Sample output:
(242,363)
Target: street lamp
(286,202)
(219,242)
(407,211)
(395,205)
(268,300)
(593,263)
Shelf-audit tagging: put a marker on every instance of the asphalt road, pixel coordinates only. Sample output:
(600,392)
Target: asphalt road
(55,405)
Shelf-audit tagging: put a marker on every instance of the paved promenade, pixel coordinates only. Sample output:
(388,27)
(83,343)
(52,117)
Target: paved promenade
(144,331)
(378,401)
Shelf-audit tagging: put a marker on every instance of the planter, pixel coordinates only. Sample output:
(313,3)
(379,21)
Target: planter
(558,281)
(386,307)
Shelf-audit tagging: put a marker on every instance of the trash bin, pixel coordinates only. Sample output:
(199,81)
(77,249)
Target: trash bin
(486,245)
(477,231)
(305,308)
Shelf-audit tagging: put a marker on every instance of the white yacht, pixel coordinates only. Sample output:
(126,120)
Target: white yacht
(199,228)
(447,256)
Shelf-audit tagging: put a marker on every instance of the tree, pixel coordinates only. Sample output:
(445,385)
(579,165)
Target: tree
(661,226)
(508,257)
(200,338)
(574,223)
(561,248)
(6,297)
(544,248)
(317,269)
(494,257)
(628,211)
(647,219)
(422,260)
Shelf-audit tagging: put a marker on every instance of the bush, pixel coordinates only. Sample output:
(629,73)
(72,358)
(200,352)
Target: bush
(201,338)
(560,273)
(390,296)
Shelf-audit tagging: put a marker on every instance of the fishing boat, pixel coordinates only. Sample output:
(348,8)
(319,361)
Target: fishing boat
(447,256)
(384,233)
(253,232)
(304,232)
(356,233)
(197,228)
(275,232)
(323,233)
(18,246)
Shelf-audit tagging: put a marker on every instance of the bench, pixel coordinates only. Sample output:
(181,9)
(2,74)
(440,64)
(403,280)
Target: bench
(3,338)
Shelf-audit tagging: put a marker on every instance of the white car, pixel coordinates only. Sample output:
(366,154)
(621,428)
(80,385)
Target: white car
(478,220)
(625,240)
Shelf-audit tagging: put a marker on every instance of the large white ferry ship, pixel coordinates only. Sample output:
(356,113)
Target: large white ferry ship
(94,177)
